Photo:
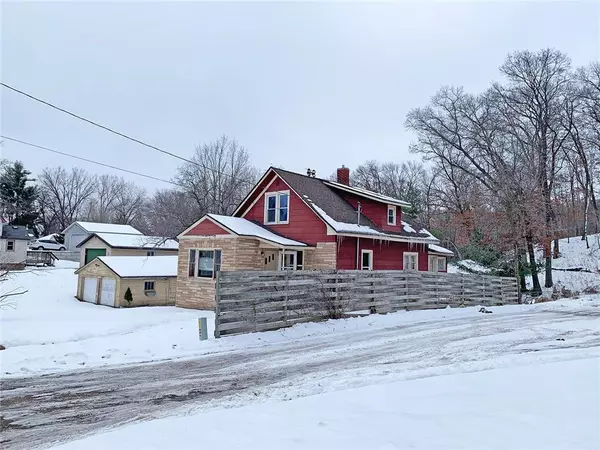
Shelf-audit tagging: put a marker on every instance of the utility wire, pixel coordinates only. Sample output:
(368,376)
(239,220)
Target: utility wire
(91,122)
(89,160)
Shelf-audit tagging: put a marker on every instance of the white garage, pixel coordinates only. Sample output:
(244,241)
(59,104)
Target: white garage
(90,289)
(107,293)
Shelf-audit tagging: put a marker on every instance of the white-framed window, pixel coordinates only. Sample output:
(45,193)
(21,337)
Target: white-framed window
(204,263)
(411,261)
(391,215)
(148,286)
(441,263)
(291,260)
(277,207)
(10,246)
(432,263)
(150,253)
(366,260)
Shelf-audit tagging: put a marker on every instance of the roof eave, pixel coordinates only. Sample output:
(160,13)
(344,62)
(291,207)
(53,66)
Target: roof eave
(390,201)
(387,237)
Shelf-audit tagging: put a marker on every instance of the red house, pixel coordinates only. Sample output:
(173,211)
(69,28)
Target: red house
(291,221)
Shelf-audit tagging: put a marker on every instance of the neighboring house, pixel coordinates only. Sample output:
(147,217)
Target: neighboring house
(152,280)
(77,232)
(291,221)
(113,244)
(13,246)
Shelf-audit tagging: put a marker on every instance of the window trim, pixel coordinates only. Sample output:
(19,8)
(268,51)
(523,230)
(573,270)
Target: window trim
(392,208)
(153,289)
(362,259)
(13,246)
(296,266)
(216,266)
(416,255)
(277,195)
(444,260)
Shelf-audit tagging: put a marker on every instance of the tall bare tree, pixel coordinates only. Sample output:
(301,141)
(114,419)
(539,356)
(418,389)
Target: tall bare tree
(63,196)
(220,176)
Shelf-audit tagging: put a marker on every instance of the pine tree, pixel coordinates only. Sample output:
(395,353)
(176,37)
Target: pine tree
(18,201)
(128,296)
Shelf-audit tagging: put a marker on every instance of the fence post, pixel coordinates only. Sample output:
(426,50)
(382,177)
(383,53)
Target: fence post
(217,300)
(285,296)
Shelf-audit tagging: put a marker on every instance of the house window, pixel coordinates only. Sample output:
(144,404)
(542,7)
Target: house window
(441,264)
(432,264)
(148,286)
(204,263)
(411,261)
(291,260)
(150,253)
(366,260)
(391,215)
(10,246)
(277,207)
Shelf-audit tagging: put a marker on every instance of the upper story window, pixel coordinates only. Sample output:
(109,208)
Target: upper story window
(277,207)
(391,215)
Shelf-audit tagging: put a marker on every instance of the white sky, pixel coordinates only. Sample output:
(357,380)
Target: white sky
(298,84)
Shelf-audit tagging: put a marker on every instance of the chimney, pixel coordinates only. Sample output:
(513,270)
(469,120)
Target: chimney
(343,175)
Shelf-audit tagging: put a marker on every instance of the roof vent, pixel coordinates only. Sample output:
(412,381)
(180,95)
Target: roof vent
(311,173)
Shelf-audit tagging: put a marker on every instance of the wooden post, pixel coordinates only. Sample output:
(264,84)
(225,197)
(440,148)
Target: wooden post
(285,298)
(217,309)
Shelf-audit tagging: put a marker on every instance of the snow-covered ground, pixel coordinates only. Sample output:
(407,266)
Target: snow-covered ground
(539,406)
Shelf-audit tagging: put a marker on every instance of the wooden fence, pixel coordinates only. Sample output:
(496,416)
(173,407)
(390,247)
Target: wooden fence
(248,301)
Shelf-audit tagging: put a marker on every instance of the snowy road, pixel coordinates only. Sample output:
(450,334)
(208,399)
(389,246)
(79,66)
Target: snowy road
(41,411)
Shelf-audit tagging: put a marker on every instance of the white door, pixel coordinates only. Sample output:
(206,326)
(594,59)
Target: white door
(107,294)
(90,287)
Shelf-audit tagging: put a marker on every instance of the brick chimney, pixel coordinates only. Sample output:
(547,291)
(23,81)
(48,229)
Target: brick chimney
(343,175)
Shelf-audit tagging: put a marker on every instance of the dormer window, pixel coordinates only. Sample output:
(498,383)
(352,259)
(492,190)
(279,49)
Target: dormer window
(277,207)
(391,215)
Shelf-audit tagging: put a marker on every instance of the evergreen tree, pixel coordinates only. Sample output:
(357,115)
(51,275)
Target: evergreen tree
(128,296)
(18,201)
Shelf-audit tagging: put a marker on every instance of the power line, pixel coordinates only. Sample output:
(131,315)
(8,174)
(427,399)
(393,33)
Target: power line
(91,122)
(89,160)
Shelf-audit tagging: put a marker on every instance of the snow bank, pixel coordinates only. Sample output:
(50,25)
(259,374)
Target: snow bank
(503,408)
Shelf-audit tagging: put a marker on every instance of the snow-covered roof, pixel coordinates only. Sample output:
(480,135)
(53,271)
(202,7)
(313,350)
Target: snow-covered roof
(95,227)
(437,249)
(353,228)
(245,227)
(368,194)
(141,266)
(135,241)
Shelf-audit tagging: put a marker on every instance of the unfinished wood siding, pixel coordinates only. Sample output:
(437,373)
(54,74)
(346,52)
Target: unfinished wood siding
(95,270)
(161,286)
(236,254)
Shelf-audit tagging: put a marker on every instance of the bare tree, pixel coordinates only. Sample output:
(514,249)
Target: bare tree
(171,211)
(101,207)
(64,196)
(220,176)
(129,204)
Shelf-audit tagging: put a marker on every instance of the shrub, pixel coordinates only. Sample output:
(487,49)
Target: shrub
(128,296)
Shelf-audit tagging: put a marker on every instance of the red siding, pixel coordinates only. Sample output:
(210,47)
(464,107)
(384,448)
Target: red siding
(375,211)
(206,228)
(386,255)
(304,224)
(257,191)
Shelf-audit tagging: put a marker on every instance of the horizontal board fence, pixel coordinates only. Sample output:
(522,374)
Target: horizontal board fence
(248,301)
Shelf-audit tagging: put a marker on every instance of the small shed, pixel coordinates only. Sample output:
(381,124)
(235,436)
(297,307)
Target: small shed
(151,279)
(13,246)
(438,258)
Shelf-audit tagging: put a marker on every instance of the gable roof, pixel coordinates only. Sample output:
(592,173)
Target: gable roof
(97,227)
(117,240)
(16,232)
(367,194)
(139,266)
(247,228)
(341,216)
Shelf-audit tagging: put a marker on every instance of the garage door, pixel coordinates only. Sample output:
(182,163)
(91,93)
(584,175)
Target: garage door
(75,239)
(90,286)
(91,253)
(107,294)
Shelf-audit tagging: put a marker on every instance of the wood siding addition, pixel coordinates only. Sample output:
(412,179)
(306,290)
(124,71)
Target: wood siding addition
(387,255)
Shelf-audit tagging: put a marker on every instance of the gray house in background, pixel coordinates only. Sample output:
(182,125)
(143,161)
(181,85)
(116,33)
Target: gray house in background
(77,232)
(13,246)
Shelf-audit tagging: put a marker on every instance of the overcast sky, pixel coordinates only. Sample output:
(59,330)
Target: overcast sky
(298,84)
